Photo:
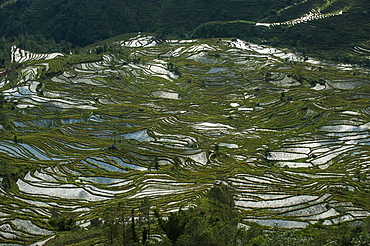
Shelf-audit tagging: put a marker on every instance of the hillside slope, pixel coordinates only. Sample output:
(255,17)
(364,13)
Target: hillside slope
(84,22)
(169,120)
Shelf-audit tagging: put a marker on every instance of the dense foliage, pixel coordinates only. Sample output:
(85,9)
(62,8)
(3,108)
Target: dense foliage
(84,22)
(213,222)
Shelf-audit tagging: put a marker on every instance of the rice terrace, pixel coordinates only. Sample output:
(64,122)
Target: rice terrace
(138,127)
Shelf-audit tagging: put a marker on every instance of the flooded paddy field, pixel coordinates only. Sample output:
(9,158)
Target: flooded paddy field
(288,134)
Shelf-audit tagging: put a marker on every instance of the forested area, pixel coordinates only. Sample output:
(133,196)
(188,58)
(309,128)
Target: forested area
(56,26)
(84,22)
(215,221)
(44,26)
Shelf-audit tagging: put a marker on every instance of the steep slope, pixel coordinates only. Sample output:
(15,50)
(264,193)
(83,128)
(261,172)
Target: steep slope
(330,29)
(84,22)
(168,120)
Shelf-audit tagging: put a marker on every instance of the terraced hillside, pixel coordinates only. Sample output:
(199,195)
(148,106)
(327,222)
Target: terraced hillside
(169,120)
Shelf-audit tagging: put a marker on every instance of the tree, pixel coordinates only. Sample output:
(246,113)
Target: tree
(177,162)
(155,163)
(62,222)
(196,232)
(133,226)
(175,225)
(221,194)
(123,219)
(145,212)
(6,173)
(110,224)
(2,100)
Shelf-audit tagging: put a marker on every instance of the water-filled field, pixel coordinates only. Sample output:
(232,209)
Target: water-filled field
(289,134)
